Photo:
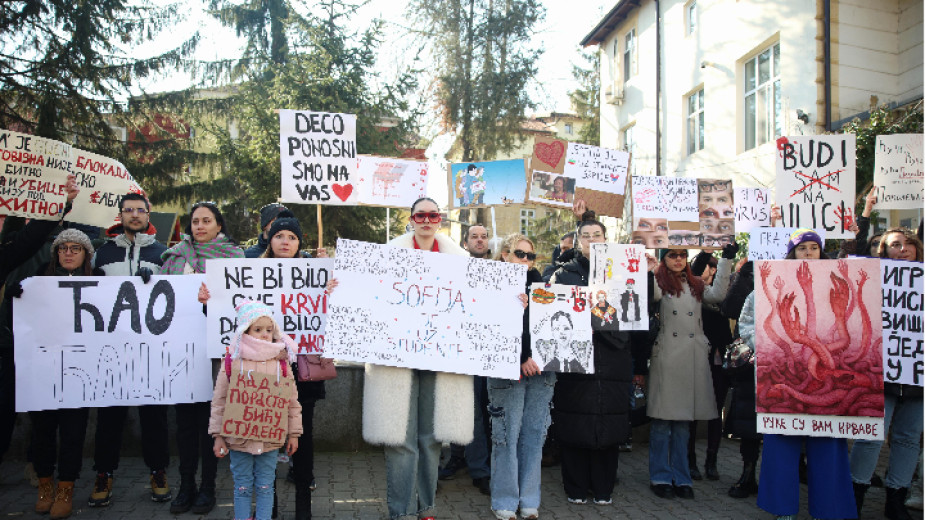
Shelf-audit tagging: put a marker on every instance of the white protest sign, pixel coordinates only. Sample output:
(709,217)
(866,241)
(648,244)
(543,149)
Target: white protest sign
(33,171)
(410,308)
(902,321)
(102,182)
(292,287)
(815,185)
(318,151)
(671,198)
(618,279)
(385,181)
(770,243)
(560,328)
(898,171)
(752,208)
(597,168)
(112,341)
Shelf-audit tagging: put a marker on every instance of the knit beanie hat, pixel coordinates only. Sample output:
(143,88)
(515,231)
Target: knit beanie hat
(250,311)
(803,235)
(287,224)
(75,236)
(272,211)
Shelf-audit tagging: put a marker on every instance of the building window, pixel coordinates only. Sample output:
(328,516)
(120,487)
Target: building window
(568,128)
(763,115)
(526,220)
(629,145)
(692,17)
(695,122)
(629,55)
(616,60)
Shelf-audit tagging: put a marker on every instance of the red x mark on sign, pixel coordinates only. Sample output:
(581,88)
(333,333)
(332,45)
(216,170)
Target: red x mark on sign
(816,181)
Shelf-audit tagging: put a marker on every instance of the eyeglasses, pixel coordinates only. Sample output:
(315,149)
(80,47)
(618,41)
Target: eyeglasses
(589,236)
(676,254)
(422,217)
(523,254)
(716,241)
(132,211)
(714,186)
(684,240)
(73,249)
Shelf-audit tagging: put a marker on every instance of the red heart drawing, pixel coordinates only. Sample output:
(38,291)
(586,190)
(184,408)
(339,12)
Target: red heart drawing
(549,153)
(342,192)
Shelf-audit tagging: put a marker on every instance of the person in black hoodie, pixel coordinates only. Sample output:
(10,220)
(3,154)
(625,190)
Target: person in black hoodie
(591,411)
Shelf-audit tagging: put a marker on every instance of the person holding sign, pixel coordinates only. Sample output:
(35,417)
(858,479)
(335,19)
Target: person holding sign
(206,237)
(520,414)
(681,385)
(591,411)
(902,408)
(62,431)
(255,407)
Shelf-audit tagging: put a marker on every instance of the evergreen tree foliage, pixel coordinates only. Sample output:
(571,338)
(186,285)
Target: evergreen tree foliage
(586,99)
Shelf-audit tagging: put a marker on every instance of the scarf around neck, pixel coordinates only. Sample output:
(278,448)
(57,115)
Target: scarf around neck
(192,253)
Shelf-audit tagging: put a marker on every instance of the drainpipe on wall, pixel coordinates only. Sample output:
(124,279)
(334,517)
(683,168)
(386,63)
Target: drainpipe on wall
(827,60)
(658,88)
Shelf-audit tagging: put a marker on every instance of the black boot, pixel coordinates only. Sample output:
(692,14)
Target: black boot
(205,500)
(709,467)
(746,484)
(692,465)
(185,496)
(859,491)
(303,504)
(895,508)
(275,511)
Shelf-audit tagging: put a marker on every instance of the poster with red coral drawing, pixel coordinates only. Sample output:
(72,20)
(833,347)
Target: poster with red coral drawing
(318,152)
(815,182)
(387,181)
(818,339)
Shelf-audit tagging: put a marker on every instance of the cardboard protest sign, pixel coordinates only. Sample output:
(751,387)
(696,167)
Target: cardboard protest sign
(902,321)
(898,173)
(618,275)
(665,212)
(548,154)
(551,189)
(818,336)
(416,309)
(752,209)
(815,185)
(33,171)
(103,182)
(600,176)
(486,183)
(113,341)
(386,181)
(318,151)
(292,287)
(257,406)
(560,328)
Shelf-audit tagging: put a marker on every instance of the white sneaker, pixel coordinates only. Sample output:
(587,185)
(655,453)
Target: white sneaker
(915,495)
(577,500)
(501,514)
(529,514)
(605,502)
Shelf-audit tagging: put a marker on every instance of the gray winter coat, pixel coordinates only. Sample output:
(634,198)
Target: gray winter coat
(680,383)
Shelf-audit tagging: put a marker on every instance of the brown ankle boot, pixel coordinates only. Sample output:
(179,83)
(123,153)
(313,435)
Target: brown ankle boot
(46,495)
(63,501)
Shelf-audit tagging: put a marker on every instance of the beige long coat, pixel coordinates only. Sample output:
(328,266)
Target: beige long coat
(680,383)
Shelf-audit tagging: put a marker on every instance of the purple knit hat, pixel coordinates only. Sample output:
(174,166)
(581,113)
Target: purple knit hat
(803,235)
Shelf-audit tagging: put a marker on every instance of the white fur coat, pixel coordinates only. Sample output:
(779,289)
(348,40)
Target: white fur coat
(387,390)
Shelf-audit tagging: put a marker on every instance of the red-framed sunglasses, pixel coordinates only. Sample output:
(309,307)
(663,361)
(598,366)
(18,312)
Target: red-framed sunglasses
(422,217)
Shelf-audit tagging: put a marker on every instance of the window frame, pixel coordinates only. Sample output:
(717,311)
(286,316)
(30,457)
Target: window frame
(695,116)
(629,55)
(761,128)
(691,18)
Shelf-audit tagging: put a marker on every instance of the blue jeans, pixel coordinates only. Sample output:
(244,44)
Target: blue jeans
(477,450)
(249,472)
(519,418)
(668,453)
(831,495)
(411,468)
(906,417)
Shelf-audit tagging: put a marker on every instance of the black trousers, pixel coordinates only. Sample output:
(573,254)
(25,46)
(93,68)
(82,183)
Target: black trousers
(303,460)
(585,469)
(750,449)
(721,386)
(110,425)
(7,399)
(194,441)
(58,435)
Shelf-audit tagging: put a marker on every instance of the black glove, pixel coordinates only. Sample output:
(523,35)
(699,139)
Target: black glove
(730,250)
(145,274)
(14,291)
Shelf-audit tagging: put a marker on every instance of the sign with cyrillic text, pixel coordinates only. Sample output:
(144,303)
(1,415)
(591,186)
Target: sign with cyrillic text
(898,171)
(33,171)
(102,182)
(902,321)
(257,405)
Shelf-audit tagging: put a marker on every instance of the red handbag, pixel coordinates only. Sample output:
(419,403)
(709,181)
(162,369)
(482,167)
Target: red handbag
(313,367)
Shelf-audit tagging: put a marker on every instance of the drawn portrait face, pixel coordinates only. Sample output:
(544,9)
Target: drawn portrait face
(562,328)
(601,298)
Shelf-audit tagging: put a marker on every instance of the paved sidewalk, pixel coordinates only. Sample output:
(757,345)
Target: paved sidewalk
(352,485)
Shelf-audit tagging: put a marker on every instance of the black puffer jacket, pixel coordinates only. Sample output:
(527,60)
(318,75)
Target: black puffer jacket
(592,410)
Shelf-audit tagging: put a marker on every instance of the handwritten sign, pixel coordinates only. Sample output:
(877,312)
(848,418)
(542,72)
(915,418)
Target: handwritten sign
(103,182)
(618,279)
(116,341)
(560,328)
(770,243)
(671,198)
(815,184)
(416,309)
(33,171)
(902,321)
(898,171)
(256,406)
(292,287)
(318,152)
(385,181)
(600,176)
(752,209)
(817,336)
